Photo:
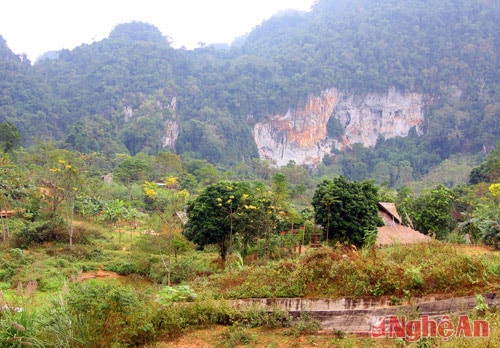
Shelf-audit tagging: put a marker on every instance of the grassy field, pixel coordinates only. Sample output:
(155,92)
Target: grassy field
(110,290)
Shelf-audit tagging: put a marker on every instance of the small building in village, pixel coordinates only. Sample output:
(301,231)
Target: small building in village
(393,231)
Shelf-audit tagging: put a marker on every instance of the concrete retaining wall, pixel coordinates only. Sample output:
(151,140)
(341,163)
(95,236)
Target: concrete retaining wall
(352,315)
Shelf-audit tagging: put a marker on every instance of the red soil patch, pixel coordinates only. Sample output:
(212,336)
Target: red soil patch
(100,274)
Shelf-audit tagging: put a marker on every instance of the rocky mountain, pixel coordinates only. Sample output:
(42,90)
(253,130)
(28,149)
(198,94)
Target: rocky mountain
(361,84)
(301,135)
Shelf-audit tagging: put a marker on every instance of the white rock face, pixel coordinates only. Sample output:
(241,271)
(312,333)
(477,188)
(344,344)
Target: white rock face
(301,135)
(389,115)
(171,131)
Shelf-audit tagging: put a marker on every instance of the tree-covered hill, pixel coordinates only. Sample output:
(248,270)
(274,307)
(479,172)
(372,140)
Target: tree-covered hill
(447,50)
(25,102)
(116,95)
(373,45)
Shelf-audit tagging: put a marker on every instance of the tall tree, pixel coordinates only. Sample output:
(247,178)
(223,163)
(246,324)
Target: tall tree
(64,185)
(10,138)
(279,195)
(218,213)
(71,184)
(113,212)
(489,170)
(132,170)
(431,212)
(347,210)
(167,222)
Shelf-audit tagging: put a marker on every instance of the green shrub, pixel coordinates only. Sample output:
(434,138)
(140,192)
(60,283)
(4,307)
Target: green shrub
(65,324)
(11,262)
(168,294)
(61,327)
(182,271)
(304,325)
(123,268)
(39,232)
(171,322)
(83,234)
(52,230)
(235,335)
(270,320)
(114,314)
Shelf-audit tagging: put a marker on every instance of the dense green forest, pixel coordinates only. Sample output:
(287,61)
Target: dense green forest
(116,95)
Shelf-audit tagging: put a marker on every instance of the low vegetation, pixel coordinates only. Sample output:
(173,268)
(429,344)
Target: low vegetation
(400,272)
(62,307)
(156,254)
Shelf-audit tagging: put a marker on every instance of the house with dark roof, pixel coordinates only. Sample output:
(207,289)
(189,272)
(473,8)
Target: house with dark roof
(393,231)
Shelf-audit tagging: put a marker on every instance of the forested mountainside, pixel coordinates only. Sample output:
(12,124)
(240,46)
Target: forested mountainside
(132,92)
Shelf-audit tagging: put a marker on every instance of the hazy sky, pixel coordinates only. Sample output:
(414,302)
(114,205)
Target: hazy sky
(37,26)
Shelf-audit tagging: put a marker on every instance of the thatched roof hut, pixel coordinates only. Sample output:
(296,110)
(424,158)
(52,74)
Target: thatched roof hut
(393,231)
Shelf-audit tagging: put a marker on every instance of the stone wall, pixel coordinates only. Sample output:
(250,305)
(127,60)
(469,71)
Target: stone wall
(353,315)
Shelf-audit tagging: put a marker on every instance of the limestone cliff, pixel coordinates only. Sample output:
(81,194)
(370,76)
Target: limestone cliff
(171,131)
(298,135)
(161,104)
(301,134)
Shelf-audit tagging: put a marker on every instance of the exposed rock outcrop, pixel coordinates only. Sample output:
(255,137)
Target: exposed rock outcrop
(171,131)
(301,135)
(163,105)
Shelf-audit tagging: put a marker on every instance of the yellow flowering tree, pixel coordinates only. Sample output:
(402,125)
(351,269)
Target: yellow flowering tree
(221,211)
(495,190)
(166,204)
(64,185)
